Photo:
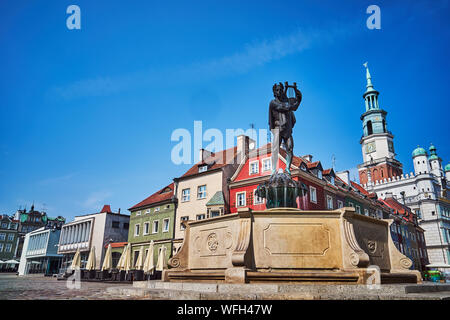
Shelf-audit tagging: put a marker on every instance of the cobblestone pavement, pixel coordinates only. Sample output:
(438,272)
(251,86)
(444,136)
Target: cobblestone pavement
(13,287)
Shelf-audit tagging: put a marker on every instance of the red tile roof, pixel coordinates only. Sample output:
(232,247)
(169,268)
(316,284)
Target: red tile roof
(398,208)
(267,149)
(116,244)
(394,204)
(106,208)
(296,161)
(359,188)
(313,164)
(158,196)
(339,179)
(217,160)
(326,171)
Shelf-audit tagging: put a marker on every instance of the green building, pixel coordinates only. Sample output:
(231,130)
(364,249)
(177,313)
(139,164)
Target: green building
(153,219)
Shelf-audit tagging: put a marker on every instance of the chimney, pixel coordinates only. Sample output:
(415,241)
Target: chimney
(388,195)
(308,157)
(344,176)
(204,154)
(119,211)
(243,146)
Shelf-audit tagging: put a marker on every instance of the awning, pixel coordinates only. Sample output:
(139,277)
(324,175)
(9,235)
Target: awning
(90,264)
(12,262)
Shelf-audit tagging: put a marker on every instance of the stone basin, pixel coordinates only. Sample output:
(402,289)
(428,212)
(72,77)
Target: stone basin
(292,246)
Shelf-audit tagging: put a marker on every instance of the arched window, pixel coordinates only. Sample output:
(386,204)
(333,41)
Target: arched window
(384,125)
(369,128)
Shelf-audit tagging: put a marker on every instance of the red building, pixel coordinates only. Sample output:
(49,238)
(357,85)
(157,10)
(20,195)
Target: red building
(257,168)
(326,191)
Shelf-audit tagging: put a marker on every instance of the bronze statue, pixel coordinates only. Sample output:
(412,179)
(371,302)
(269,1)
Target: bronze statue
(282,120)
(281,190)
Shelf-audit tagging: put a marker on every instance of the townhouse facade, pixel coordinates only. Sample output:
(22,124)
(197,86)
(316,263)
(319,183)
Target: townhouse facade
(9,238)
(407,235)
(202,192)
(326,190)
(153,219)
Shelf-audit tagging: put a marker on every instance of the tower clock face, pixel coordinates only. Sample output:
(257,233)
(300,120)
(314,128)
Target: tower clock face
(370,147)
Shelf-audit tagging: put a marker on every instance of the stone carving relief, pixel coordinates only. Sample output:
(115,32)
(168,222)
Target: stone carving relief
(358,258)
(212,242)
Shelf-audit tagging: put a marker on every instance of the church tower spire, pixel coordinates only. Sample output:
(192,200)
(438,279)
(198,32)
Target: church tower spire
(377,142)
(369,78)
(371,95)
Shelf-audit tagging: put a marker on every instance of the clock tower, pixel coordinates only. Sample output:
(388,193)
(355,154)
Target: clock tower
(377,142)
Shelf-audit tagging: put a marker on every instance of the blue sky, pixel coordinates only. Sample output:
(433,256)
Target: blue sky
(86,115)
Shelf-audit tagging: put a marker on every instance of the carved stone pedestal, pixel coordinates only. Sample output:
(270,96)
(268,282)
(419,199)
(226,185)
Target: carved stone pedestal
(293,246)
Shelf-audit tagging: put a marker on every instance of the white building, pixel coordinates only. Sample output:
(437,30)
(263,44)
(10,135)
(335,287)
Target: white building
(424,191)
(39,253)
(92,230)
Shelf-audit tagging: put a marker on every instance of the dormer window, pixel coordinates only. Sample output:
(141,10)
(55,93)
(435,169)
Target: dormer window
(332,180)
(303,167)
(166,190)
(202,168)
(319,174)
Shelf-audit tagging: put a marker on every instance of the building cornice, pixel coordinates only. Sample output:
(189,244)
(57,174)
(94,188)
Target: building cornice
(373,111)
(155,204)
(377,162)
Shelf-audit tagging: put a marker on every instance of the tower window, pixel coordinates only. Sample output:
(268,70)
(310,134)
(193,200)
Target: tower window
(369,127)
(384,125)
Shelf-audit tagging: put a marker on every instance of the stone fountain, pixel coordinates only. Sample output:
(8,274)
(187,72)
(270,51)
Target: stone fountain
(284,243)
